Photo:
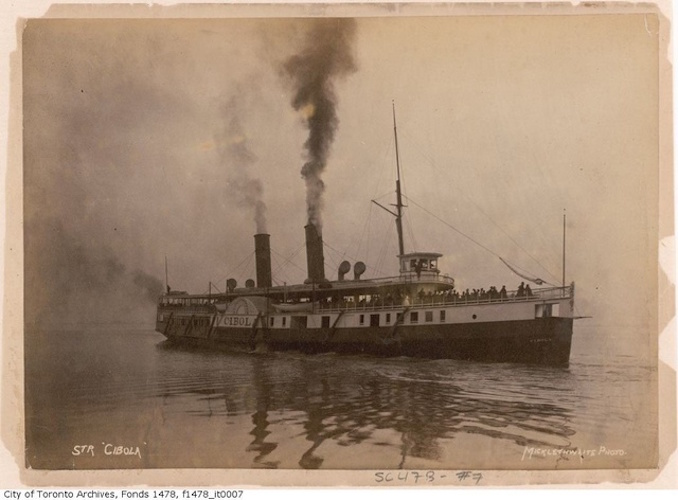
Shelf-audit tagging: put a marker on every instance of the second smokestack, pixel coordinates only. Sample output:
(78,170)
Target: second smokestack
(262,255)
(315,260)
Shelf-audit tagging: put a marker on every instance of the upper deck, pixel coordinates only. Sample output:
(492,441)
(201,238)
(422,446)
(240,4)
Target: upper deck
(372,299)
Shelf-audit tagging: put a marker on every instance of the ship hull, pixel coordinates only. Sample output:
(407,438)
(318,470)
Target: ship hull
(544,341)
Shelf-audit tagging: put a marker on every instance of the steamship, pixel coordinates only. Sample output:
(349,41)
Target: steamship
(415,313)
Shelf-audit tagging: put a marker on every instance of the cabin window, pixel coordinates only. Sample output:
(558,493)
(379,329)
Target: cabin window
(325,322)
(429,316)
(388,318)
(272,321)
(374,320)
(546,310)
(362,319)
(284,321)
(442,316)
(414,317)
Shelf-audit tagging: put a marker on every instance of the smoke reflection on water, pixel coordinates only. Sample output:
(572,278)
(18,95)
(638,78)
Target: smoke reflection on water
(292,410)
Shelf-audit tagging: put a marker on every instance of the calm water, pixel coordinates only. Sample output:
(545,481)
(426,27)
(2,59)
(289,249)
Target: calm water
(185,407)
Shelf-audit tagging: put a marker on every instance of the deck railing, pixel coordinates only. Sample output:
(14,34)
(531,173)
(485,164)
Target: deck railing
(189,309)
(536,295)
(411,277)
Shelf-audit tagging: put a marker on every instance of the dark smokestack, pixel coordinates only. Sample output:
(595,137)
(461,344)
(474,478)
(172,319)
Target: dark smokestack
(262,253)
(315,260)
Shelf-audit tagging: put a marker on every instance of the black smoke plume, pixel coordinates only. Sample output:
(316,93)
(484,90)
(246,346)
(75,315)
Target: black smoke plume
(327,54)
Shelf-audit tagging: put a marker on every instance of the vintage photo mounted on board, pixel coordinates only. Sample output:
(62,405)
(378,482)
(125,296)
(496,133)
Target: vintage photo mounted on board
(349,239)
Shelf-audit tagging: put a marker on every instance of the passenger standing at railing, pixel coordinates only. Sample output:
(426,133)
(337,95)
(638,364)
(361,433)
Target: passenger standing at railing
(528,291)
(521,289)
(502,292)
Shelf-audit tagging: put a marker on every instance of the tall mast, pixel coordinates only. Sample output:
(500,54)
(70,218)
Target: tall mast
(398,214)
(399,196)
(166,280)
(564,219)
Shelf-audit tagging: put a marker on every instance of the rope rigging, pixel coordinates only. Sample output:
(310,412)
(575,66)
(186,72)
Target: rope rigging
(288,260)
(538,281)
(429,159)
(245,261)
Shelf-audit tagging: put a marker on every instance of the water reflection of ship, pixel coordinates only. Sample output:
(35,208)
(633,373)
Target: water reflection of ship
(353,405)
(260,418)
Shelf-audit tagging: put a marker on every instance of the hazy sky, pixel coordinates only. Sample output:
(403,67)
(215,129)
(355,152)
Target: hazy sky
(135,133)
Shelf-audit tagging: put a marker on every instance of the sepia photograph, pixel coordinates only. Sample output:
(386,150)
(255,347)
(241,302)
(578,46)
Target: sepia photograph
(378,240)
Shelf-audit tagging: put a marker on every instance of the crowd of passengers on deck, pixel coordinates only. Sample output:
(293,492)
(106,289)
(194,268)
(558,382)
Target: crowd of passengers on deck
(451,296)
(474,295)
(397,298)
(492,294)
